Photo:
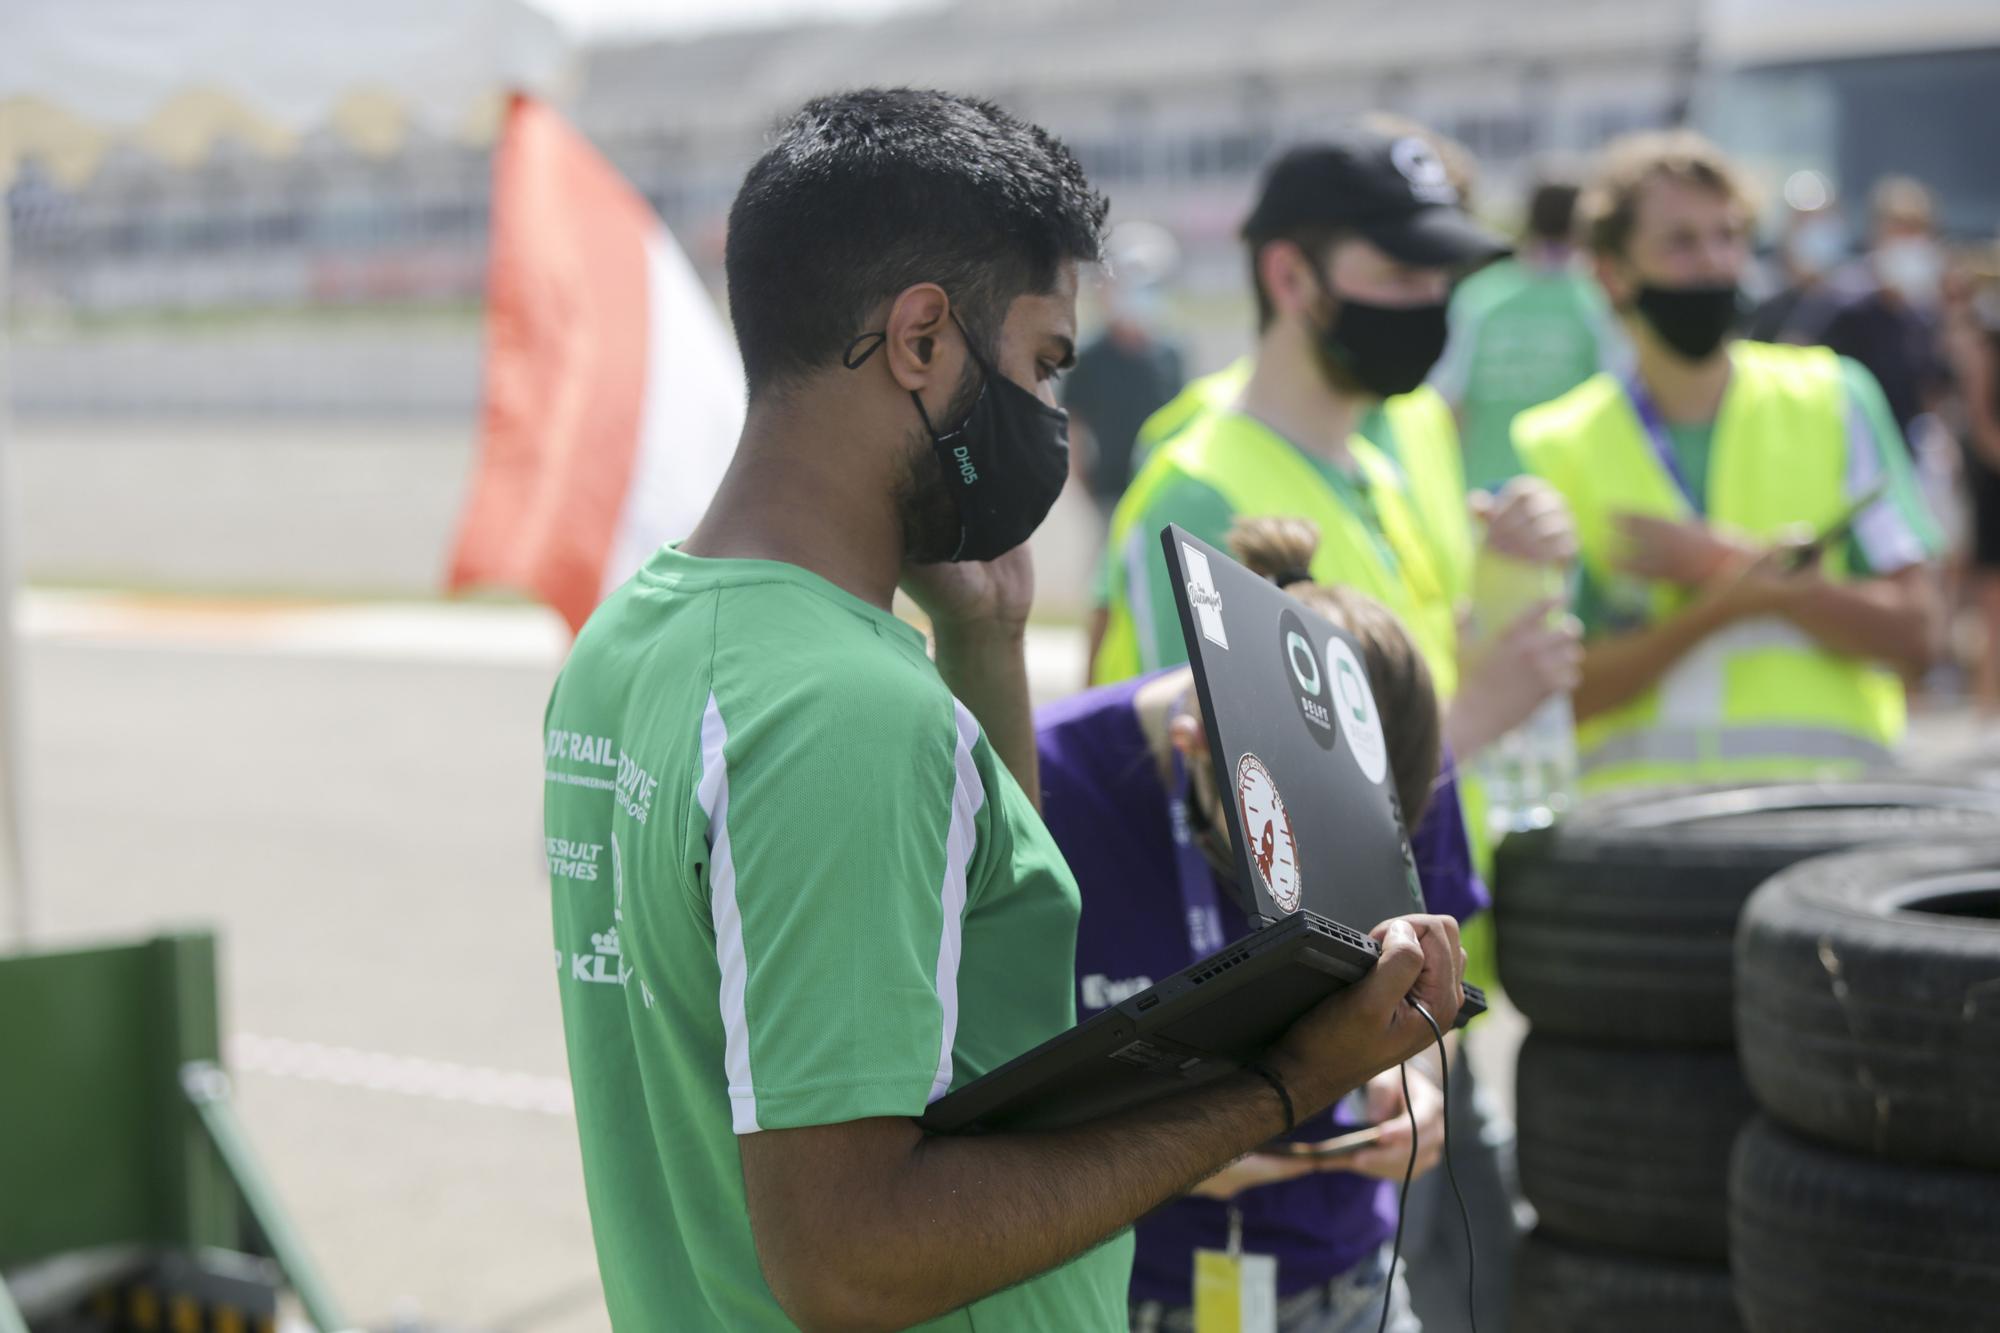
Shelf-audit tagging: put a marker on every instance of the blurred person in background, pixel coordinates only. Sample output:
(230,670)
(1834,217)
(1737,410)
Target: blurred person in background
(1129,370)
(1353,244)
(1523,330)
(1718,646)
(1887,318)
(1972,347)
(1129,793)
(1812,248)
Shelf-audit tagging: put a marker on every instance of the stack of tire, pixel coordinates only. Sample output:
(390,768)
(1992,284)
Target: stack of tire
(1616,938)
(1866,1196)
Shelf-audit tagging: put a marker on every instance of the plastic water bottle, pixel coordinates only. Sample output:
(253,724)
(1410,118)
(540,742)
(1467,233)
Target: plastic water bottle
(1530,773)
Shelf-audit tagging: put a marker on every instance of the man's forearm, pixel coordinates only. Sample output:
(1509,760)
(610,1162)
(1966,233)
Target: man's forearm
(987,669)
(1888,620)
(970,1216)
(1619,669)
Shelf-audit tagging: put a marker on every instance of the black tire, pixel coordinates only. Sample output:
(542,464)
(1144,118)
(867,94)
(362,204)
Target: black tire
(1629,1149)
(1828,1242)
(1561,1288)
(1868,1001)
(1618,924)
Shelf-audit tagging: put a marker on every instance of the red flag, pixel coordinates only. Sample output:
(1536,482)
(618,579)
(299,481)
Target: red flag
(613,393)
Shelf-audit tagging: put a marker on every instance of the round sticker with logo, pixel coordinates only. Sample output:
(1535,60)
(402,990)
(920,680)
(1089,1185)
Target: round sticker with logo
(1267,830)
(1354,707)
(1306,680)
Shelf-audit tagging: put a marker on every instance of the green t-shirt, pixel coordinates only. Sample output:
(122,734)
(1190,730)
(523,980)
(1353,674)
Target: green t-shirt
(793,885)
(1521,334)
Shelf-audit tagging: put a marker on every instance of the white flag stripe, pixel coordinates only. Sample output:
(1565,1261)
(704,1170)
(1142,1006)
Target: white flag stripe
(690,417)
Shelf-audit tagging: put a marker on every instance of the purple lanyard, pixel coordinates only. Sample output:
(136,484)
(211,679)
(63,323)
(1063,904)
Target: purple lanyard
(1200,902)
(1655,427)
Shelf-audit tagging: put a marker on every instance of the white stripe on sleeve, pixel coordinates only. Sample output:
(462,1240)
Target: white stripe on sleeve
(714,797)
(968,794)
(1886,539)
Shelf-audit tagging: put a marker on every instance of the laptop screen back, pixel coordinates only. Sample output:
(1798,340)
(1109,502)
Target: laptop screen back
(1299,755)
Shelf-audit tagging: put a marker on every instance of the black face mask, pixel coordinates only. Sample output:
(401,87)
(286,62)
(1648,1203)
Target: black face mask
(1005,464)
(1691,320)
(1387,350)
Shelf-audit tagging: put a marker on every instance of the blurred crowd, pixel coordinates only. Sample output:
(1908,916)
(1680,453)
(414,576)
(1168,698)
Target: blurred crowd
(1872,279)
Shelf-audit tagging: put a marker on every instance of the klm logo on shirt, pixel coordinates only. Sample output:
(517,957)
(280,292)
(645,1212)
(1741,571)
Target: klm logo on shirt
(1101,992)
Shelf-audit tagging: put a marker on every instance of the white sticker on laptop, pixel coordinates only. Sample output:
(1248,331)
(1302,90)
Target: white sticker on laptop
(1203,597)
(1267,832)
(1354,707)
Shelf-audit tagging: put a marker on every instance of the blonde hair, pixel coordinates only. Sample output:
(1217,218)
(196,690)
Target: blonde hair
(1282,550)
(1610,204)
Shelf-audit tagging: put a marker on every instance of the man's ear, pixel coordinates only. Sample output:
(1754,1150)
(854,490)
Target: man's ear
(1287,276)
(918,355)
(1619,285)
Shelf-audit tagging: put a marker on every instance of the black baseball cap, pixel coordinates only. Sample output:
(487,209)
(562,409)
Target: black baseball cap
(1393,189)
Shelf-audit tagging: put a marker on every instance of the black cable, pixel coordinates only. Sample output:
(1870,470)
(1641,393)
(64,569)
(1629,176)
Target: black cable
(1464,1214)
(1402,1200)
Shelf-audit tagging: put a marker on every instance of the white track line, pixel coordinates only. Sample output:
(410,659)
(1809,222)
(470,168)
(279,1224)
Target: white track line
(409,1076)
(471,633)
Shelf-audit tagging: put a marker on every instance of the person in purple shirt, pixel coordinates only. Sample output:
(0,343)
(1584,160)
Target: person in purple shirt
(1128,792)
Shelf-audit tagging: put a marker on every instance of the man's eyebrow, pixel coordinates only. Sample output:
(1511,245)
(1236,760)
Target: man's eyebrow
(1068,346)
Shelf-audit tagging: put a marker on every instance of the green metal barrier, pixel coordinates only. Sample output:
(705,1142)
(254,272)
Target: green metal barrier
(115,1123)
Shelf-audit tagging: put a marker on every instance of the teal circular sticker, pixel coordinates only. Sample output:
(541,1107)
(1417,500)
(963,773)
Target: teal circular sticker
(1306,679)
(1354,710)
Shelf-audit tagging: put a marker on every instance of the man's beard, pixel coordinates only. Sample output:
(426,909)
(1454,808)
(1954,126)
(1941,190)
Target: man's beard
(1333,371)
(925,504)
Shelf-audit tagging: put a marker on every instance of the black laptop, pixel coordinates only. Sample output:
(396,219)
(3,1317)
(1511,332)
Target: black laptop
(1319,846)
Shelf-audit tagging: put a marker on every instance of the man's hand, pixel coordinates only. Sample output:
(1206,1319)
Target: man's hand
(1686,553)
(1389,1156)
(975,595)
(873,1224)
(1369,1027)
(1536,658)
(1527,521)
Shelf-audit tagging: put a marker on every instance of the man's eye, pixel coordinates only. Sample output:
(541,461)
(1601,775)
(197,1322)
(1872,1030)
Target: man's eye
(1049,373)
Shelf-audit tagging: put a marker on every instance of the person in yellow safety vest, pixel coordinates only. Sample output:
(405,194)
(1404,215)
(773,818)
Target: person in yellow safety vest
(1354,243)
(1722,644)
(1424,445)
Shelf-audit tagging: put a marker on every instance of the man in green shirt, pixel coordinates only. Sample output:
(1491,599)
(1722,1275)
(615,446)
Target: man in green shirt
(1523,330)
(801,889)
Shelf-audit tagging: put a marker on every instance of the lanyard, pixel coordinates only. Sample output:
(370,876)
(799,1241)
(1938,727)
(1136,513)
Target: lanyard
(1655,427)
(1359,496)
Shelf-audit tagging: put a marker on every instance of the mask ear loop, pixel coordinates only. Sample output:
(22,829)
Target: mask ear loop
(867,344)
(853,358)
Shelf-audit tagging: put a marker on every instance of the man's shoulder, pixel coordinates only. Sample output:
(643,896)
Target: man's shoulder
(1489,287)
(786,647)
